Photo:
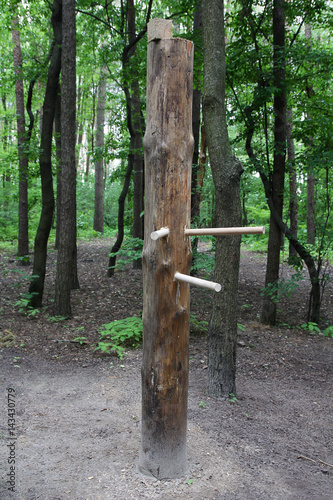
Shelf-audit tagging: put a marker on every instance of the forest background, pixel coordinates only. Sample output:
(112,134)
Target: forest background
(294,195)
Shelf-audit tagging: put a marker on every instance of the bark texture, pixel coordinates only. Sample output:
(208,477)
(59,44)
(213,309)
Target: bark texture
(310,208)
(168,147)
(136,125)
(57,131)
(268,314)
(226,170)
(99,168)
(45,162)
(196,112)
(314,271)
(121,211)
(310,180)
(23,235)
(293,198)
(196,117)
(67,235)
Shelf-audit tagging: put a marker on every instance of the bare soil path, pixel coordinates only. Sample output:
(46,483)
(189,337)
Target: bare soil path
(77,416)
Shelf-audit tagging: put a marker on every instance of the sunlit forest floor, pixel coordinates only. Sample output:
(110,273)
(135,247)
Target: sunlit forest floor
(78,411)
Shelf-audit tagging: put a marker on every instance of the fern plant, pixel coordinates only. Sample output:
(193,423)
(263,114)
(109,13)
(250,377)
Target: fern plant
(119,334)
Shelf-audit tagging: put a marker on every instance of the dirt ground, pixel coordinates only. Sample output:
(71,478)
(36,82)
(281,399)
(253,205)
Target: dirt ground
(77,416)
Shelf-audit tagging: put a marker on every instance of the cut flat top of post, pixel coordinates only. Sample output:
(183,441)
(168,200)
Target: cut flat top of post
(159,29)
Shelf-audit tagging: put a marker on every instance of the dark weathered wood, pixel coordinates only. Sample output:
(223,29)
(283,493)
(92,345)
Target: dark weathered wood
(168,147)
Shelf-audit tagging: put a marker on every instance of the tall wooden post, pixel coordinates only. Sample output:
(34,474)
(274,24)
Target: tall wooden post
(168,147)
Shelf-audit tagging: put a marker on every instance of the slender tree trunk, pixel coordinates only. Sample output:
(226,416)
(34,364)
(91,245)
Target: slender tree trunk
(57,130)
(45,162)
(277,217)
(67,237)
(268,314)
(195,191)
(136,130)
(202,167)
(315,296)
(196,199)
(121,210)
(91,136)
(310,208)
(196,117)
(293,198)
(80,128)
(79,105)
(5,141)
(226,170)
(135,125)
(310,181)
(99,163)
(23,234)
(86,173)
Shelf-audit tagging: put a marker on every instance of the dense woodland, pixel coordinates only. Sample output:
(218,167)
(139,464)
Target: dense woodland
(72,123)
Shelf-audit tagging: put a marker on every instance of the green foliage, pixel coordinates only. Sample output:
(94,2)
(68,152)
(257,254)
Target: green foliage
(203,262)
(197,325)
(119,334)
(80,340)
(314,328)
(131,249)
(232,398)
(55,319)
(282,288)
(23,305)
(203,405)
(8,212)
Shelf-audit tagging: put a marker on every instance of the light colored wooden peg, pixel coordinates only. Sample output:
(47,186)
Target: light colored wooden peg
(225,230)
(159,29)
(197,281)
(155,235)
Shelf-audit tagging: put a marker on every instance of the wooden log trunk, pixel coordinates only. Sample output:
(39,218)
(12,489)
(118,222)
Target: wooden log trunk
(168,147)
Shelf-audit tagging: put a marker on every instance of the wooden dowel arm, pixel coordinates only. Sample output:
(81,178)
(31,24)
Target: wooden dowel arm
(225,230)
(155,235)
(197,281)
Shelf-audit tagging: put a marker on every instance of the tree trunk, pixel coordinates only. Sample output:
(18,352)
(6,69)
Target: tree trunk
(45,162)
(121,210)
(315,296)
(5,141)
(226,170)
(293,198)
(23,234)
(80,126)
(196,117)
(195,194)
(136,130)
(268,314)
(99,167)
(67,237)
(168,147)
(57,130)
(310,181)
(90,135)
(310,208)
(196,112)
